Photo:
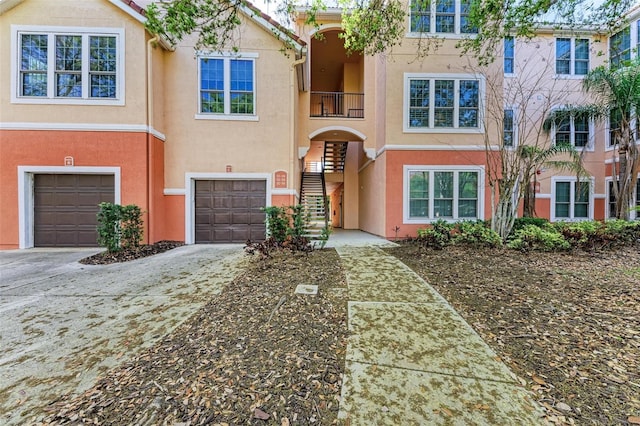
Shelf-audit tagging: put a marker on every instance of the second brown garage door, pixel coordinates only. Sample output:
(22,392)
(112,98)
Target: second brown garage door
(228,211)
(65,208)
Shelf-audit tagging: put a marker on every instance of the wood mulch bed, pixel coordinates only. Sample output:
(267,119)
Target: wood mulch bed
(255,354)
(567,324)
(124,255)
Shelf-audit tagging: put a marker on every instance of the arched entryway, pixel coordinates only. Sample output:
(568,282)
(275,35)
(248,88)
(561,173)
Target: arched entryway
(337,154)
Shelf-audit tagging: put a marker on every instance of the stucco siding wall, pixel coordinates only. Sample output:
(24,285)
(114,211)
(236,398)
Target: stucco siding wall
(67,15)
(128,151)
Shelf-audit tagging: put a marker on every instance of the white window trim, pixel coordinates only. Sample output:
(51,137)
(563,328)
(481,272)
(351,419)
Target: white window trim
(406,219)
(25,193)
(190,195)
(633,215)
(633,40)
(572,135)
(456,77)
(227,115)
(456,34)
(51,31)
(515,127)
(555,179)
(607,134)
(510,74)
(572,62)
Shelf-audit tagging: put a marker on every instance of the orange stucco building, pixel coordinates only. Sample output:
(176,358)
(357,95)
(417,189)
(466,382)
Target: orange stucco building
(94,108)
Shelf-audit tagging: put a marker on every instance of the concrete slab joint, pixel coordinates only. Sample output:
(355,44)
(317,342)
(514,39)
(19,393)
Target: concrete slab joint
(412,359)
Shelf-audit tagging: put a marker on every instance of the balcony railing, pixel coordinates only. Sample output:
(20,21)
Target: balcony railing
(337,104)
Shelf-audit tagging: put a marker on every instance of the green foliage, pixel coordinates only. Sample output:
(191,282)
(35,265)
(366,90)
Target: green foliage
(277,222)
(214,21)
(437,236)
(521,222)
(375,28)
(531,237)
(119,226)
(299,221)
(625,232)
(476,234)
(286,229)
(593,235)
(324,236)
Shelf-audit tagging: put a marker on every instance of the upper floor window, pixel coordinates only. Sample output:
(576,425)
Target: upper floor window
(620,47)
(433,193)
(617,123)
(227,85)
(509,54)
(509,132)
(573,130)
(66,65)
(572,56)
(440,103)
(441,17)
(572,200)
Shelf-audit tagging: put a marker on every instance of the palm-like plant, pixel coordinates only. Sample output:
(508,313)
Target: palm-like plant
(534,158)
(616,95)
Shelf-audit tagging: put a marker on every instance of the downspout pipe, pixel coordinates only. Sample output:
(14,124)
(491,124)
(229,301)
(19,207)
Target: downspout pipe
(302,58)
(149,124)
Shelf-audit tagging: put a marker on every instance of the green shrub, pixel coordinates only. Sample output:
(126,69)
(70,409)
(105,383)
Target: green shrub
(476,234)
(521,222)
(622,232)
(584,234)
(437,236)
(532,237)
(277,223)
(299,221)
(119,226)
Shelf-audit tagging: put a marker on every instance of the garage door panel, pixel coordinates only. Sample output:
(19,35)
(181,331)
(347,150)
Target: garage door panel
(222,218)
(222,234)
(233,211)
(242,217)
(223,201)
(203,218)
(241,203)
(65,208)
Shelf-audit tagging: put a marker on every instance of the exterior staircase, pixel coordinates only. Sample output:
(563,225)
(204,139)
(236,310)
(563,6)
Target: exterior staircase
(335,154)
(313,192)
(313,196)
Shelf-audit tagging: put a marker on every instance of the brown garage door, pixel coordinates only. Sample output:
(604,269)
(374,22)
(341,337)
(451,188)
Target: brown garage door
(228,211)
(65,208)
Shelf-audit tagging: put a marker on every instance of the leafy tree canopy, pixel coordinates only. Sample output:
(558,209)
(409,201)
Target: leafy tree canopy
(376,26)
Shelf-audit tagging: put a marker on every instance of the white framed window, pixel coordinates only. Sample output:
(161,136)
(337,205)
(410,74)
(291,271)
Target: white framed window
(620,47)
(442,192)
(509,132)
(571,200)
(611,200)
(67,65)
(574,130)
(572,56)
(443,103)
(227,86)
(509,54)
(442,17)
(615,123)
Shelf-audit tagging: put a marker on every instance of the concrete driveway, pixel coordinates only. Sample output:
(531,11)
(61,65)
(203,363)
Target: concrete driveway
(63,323)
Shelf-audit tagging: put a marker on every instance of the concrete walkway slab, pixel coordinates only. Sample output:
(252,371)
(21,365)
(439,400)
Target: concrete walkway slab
(382,395)
(65,323)
(381,279)
(411,358)
(420,336)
